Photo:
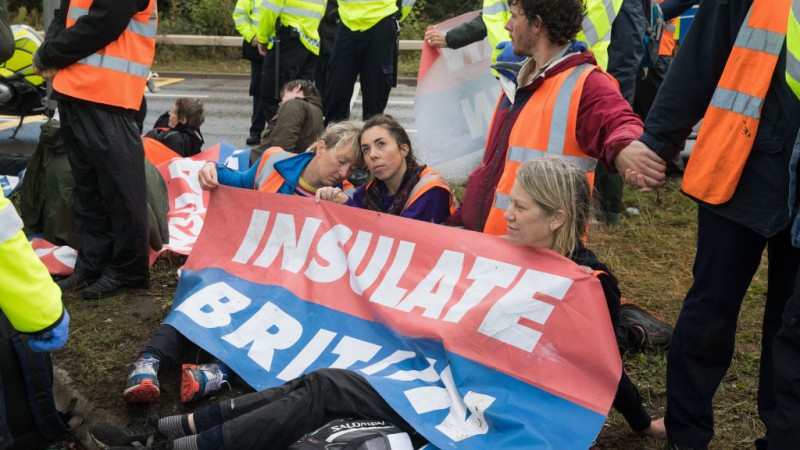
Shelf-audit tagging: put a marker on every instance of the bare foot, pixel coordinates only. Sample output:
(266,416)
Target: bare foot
(656,430)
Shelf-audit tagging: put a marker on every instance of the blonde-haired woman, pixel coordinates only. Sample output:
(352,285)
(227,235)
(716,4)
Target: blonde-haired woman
(550,204)
(327,162)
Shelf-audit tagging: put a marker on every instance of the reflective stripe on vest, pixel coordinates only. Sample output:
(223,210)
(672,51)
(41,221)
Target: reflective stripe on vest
(266,168)
(596,27)
(793,48)
(10,223)
(116,74)
(731,121)
(302,15)
(495,14)
(545,126)
(430,179)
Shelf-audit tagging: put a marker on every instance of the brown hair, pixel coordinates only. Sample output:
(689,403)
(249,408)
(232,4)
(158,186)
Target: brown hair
(192,110)
(395,129)
(306,87)
(562,18)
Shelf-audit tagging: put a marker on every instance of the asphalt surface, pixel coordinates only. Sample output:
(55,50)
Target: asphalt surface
(227,105)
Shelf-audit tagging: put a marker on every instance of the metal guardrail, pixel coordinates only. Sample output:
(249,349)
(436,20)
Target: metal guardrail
(235,41)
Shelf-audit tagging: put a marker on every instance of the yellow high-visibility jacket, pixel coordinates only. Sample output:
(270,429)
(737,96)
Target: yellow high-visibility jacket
(28,296)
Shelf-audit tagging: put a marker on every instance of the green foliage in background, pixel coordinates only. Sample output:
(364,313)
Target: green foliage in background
(204,17)
(213,17)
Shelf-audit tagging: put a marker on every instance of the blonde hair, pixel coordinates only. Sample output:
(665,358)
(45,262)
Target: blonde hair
(554,183)
(342,135)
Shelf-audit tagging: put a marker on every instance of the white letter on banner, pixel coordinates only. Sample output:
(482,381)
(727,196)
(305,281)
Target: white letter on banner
(352,350)
(257,330)
(283,235)
(487,274)
(307,355)
(206,308)
(456,426)
(255,231)
(360,283)
(502,320)
(427,375)
(330,249)
(477,113)
(445,275)
(388,293)
(394,358)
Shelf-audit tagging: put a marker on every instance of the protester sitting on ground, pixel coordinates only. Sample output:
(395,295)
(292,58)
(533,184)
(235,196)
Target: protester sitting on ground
(401,186)
(327,162)
(298,121)
(179,128)
(550,209)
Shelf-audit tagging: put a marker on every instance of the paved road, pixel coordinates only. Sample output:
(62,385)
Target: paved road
(227,114)
(227,111)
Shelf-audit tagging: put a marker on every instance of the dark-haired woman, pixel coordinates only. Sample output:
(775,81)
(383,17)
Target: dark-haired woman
(400,185)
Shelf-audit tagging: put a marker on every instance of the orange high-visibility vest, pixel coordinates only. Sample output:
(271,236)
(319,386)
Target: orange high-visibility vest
(267,178)
(545,126)
(667,45)
(731,121)
(428,179)
(156,152)
(114,75)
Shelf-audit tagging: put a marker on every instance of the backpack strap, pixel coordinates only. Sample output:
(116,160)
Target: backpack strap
(36,368)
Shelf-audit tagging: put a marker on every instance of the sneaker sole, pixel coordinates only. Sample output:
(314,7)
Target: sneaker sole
(189,386)
(99,444)
(144,392)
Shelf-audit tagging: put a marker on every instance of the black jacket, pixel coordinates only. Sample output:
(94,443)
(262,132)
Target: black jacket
(6,36)
(183,139)
(760,202)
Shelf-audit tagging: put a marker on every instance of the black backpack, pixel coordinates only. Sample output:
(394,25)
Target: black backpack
(28,415)
(652,36)
(353,434)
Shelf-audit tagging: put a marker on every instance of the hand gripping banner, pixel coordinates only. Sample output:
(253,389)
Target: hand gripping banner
(476,342)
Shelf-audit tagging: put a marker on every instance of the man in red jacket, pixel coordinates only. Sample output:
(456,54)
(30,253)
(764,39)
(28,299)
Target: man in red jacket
(597,121)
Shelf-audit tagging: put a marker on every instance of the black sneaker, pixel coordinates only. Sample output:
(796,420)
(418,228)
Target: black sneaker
(140,433)
(75,282)
(253,140)
(657,332)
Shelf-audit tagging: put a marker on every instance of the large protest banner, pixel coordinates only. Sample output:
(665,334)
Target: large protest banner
(455,97)
(476,342)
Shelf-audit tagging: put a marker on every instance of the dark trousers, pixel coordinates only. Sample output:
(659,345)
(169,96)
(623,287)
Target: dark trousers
(624,55)
(728,256)
(107,160)
(294,62)
(276,418)
(625,50)
(608,188)
(167,345)
(369,55)
(785,431)
(259,117)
